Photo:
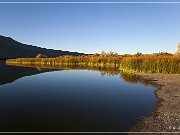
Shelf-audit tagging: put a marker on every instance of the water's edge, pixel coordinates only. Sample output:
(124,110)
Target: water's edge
(165,116)
(145,80)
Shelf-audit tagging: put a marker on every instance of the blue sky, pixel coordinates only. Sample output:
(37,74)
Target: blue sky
(91,28)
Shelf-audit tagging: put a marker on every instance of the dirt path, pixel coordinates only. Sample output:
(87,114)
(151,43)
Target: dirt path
(166,114)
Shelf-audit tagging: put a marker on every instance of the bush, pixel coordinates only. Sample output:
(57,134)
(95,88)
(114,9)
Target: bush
(41,56)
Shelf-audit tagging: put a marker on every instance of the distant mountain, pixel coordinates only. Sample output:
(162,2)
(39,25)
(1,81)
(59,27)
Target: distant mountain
(10,48)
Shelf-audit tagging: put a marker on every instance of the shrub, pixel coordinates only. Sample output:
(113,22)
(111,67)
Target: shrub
(41,56)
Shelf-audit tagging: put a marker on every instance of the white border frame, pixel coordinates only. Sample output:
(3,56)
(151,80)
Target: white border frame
(88,2)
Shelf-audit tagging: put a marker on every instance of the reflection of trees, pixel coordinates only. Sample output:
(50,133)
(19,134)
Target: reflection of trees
(128,77)
(103,73)
(103,70)
(133,78)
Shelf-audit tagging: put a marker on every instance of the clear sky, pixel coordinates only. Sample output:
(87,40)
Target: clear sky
(91,28)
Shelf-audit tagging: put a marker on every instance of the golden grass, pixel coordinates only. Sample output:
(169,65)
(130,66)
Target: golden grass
(145,63)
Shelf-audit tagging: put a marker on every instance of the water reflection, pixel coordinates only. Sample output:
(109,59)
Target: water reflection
(12,72)
(71,100)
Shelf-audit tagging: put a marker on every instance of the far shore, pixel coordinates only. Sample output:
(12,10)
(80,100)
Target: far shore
(166,114)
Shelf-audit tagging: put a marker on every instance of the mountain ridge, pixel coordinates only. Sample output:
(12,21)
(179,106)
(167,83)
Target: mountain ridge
(10,48)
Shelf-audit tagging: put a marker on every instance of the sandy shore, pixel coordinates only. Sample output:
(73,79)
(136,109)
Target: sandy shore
(166,114)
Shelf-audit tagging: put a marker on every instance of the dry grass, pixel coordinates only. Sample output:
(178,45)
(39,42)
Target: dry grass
(145,63)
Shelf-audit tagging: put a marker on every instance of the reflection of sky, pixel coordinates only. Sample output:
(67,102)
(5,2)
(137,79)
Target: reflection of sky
(90,28)
(82,100)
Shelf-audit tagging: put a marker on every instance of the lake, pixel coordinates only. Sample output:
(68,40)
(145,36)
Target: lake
(74,100)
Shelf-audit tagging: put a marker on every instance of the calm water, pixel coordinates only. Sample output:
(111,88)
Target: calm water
(70,100)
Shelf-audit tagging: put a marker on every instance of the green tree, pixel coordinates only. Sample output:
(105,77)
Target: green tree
(103,53)
(138,54)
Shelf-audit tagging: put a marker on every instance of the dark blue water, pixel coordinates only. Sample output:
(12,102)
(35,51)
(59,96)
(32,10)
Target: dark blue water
(73,100)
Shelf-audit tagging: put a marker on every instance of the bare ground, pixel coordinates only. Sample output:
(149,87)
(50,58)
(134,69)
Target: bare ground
(166,114)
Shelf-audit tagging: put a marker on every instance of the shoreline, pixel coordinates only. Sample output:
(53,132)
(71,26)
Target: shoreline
(165,117)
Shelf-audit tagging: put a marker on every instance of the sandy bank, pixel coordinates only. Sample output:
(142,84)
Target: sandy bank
(166,114)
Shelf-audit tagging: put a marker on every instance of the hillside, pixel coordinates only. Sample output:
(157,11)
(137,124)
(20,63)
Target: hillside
(10,48)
